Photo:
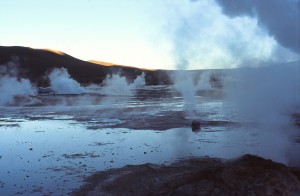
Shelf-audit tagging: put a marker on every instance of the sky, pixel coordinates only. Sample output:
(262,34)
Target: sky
(158,34)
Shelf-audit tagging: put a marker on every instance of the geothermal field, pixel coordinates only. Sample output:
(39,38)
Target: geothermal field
(53,138)
(161,97)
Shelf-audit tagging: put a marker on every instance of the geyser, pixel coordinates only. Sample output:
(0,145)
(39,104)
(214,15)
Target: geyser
(11,85)
(62,83)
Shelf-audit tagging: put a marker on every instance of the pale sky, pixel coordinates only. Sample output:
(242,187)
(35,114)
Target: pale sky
(157,34)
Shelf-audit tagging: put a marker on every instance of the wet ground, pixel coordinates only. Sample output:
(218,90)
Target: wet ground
(245,175)
(50,144)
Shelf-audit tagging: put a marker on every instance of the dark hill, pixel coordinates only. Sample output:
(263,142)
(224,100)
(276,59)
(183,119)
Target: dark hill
(36,63)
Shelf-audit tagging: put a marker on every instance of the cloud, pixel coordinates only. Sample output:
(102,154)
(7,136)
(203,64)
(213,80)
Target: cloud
(202,35)
(279,17)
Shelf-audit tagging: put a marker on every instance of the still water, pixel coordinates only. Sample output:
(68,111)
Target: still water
(49,144)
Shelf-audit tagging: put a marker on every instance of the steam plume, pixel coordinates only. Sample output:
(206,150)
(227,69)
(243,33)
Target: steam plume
(279,17)
(117,85)
(62,83)
(12,86)
(268,97)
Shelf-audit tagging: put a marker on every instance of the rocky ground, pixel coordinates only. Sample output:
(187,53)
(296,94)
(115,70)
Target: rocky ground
(247,175)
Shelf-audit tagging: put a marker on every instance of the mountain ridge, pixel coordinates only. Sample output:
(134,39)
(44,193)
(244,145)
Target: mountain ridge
(36,63)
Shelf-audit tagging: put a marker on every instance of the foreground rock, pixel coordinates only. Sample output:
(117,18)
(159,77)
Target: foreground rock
(248,175)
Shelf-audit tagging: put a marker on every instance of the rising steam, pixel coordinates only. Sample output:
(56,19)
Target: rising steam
(265,97)
(279,17)
(268,97)
(117,85)
(62,83)
(11,86)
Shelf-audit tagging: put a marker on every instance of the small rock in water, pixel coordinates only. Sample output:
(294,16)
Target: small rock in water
(196,125)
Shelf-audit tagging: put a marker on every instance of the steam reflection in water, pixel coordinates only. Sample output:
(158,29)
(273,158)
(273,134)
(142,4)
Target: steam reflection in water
(51,147)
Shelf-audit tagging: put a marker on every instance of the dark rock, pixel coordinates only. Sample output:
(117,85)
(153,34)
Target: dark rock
(248,175)
(196,125)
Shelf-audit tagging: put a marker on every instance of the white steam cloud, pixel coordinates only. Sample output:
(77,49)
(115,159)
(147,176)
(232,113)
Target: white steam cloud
(206,37)
(230,37)
(62,83)
(11,86)
(117,85)
(280,18)
(15,90)
(267,97)
(185,86)
(204,81)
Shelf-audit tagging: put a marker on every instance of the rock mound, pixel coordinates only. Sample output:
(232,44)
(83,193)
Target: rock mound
(247,175)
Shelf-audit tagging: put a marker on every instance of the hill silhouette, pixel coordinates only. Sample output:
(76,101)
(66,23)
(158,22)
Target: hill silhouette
(34,64)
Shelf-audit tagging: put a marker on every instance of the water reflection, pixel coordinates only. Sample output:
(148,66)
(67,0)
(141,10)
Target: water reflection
(49,148)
